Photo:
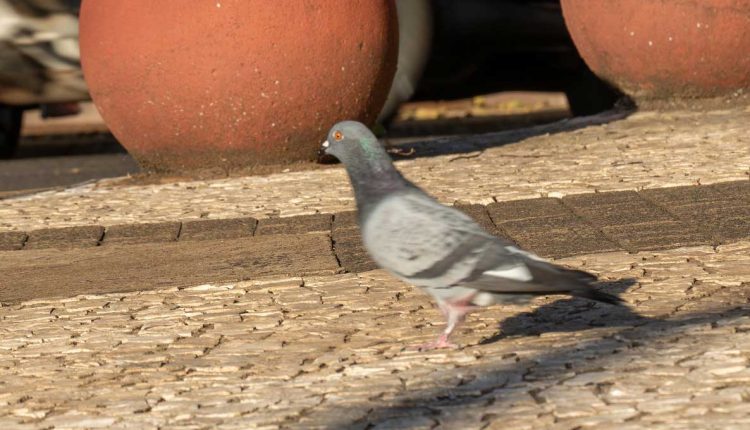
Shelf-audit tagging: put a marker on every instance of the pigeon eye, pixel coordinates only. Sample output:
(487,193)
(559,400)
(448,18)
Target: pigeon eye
(338,135)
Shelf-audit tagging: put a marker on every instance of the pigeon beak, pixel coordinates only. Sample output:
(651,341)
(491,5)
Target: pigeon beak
(323,156)
(323,149)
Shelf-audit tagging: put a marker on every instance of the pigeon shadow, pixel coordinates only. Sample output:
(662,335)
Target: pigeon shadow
(503,381)
(410,148)
(571,314)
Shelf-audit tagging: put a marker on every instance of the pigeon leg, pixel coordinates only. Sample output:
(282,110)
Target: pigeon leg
(455,313)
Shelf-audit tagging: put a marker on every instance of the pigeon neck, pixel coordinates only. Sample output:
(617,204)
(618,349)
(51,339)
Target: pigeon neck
(373,179)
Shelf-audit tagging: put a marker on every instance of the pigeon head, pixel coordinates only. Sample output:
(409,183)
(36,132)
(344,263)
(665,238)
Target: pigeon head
(368,165)
(352,140)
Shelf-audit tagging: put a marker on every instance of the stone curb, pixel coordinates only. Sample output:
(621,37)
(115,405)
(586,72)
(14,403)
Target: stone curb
(578,224)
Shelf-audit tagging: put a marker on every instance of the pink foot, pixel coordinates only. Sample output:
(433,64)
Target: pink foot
(455,313)
(440,343)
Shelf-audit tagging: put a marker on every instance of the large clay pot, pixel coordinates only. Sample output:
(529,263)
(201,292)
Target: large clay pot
(659,49)
(233,83)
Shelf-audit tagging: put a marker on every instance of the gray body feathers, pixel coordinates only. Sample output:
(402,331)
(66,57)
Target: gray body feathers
(443,251)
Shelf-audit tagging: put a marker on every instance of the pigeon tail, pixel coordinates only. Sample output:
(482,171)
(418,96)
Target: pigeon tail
(592,294)
(588,291)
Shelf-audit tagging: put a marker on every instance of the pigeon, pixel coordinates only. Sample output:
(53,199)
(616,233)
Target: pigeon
(439,248)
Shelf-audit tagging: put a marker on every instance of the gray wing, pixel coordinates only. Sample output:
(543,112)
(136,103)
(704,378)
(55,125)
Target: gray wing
(431,245)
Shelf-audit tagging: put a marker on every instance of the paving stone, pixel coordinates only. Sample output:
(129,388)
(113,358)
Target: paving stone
(655,235)
(12,240)
(351,242)
(735,190)
(141,233)
(615,209)
(355,261)
(295,225)
(524,209)
(479,214)
(707,213)
(557,236)
(218,229)
(544,225)
(106,269)
(614,198)
(723,220)
(63,238)
(347,244)
(685,195)
(344,221)
(731,229)
(351,253)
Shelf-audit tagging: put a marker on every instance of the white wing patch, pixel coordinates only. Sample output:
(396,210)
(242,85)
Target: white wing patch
(514,250)
(516,273)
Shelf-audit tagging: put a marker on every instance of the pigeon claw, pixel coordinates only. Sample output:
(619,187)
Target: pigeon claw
(441,343)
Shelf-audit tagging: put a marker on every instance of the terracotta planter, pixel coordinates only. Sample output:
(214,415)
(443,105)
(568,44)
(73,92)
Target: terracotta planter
(232,83)
(659,49)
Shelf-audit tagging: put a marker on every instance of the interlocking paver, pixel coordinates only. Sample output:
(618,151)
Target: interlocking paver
(55,272)
(635,223)
(142,233)
(685,195)
(347,243)
(721,211)
(480,215)
(615,209)
(655,235)
(737,190)
(295,225)
(344,221)
(12,240)
(548,228)
(516,210)
(67,237)
(218,229)
(557,236)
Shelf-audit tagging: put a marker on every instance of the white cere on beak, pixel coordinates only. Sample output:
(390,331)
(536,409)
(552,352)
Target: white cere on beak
(325,144)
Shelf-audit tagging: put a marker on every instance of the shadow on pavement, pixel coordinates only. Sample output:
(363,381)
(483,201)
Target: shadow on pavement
(504,381)
(411,148)
(473,124)
(571,314)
